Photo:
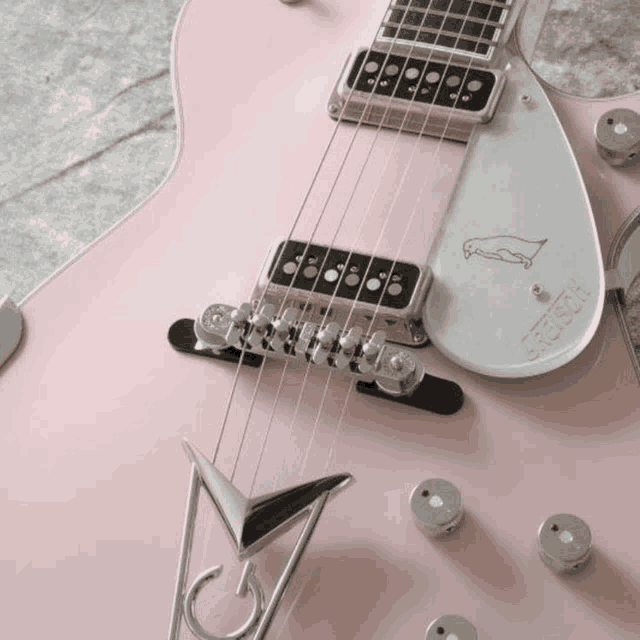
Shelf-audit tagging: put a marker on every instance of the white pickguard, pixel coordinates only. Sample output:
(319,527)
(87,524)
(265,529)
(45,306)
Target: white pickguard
(519,216)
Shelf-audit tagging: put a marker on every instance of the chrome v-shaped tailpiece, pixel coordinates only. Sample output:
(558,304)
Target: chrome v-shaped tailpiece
(251,524)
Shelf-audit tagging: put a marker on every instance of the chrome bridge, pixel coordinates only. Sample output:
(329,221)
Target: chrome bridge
(395,370)
(383,370)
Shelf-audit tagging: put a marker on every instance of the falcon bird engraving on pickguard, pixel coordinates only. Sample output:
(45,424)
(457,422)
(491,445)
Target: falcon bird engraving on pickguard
(504,248)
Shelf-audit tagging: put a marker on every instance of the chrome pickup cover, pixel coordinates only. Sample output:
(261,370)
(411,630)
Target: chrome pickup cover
(430,97)
(351,289)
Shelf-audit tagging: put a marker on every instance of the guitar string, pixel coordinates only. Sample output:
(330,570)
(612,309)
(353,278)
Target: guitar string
(307,247)
(277,259)
(194,490)
(408,165)
(328,148)
(244,347)
(295,595)
(499,42)
(340,118)
(351,251)
(401,244)
(302,208)
(440,30)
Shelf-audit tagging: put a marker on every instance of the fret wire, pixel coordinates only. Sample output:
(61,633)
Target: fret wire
(492,3)
(450,34)
(416,29)
(454,16)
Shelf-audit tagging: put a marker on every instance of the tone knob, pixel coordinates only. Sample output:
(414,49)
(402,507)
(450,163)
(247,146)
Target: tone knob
(564,543)
(617,135)
(436,505)
(451,628)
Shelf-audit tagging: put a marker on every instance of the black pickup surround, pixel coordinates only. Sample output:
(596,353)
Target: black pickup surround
(321,269)
(415,80)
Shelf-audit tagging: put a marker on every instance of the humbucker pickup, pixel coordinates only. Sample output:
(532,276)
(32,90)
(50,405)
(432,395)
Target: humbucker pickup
(352,289)
(430,97)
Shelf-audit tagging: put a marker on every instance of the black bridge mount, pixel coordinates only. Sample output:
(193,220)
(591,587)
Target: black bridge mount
(436,395)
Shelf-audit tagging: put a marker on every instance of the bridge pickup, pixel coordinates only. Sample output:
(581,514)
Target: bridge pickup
(431,97)
(324,282)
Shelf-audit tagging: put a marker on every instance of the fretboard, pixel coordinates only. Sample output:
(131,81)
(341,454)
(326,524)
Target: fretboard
(472,29)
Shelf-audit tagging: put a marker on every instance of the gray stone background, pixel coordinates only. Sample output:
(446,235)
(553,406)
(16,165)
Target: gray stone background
(88,123)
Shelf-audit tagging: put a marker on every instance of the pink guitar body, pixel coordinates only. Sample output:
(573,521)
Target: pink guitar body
(94,403)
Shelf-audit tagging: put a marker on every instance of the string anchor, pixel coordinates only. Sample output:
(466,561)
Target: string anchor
(251,332)
(248,581)
(252,523)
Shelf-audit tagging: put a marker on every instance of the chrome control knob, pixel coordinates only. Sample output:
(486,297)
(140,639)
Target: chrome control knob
(564,543)
(436,505)
(618,137)
(451,628)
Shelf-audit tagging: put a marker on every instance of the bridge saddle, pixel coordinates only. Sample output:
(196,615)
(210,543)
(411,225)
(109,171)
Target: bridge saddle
(382,369)
(395,369)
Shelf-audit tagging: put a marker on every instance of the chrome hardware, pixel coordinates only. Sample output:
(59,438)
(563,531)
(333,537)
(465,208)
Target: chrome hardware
(335,107)
(326,340)
(418,105)
(260,322)
(395,370)
(436,505)
(370,351)
(617,134)
(282,329)
(348,344)
(335,293)
(248,580)
(213,325)
(623,265)
(537,290)
(526,98)
(251,524)
(449,627)
(564,543)
(304,341)
(398,372)
(239,319)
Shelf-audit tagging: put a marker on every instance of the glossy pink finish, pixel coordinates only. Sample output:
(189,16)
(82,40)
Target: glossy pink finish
(94,403)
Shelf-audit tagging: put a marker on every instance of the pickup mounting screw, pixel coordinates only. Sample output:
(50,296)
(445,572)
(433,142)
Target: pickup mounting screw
(525,98)
(334,108)
(537,290)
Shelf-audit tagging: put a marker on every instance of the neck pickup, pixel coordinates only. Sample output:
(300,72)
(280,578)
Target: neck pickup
(428,97)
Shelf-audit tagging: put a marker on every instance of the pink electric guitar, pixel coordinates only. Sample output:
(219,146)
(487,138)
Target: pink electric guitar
(371,307)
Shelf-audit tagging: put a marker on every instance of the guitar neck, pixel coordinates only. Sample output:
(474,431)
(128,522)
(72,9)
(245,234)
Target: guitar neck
(459,31)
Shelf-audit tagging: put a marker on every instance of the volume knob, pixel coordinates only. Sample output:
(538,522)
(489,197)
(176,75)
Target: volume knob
(436,505)
(617,135)
(451,628)
(564,543)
